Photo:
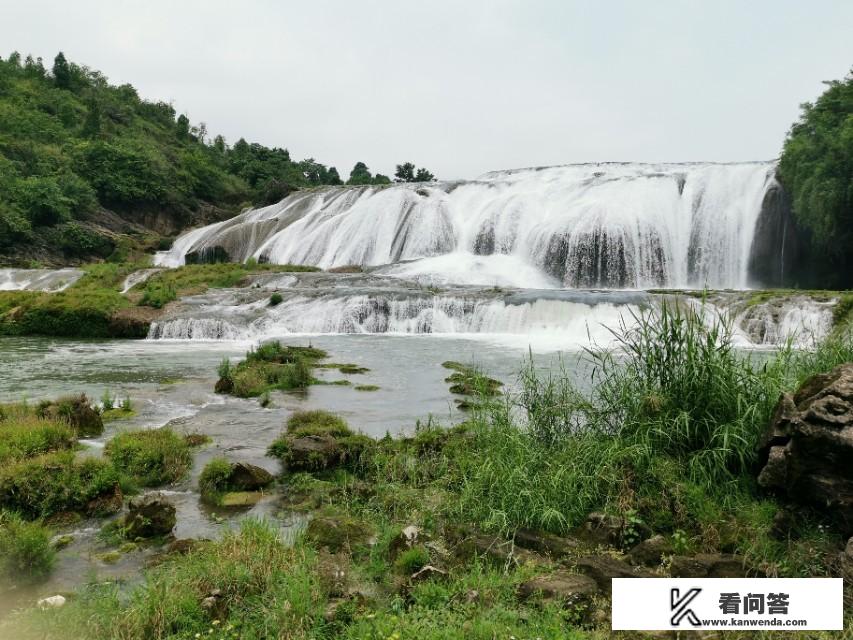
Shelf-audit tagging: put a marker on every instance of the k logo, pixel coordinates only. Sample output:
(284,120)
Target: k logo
(679,605)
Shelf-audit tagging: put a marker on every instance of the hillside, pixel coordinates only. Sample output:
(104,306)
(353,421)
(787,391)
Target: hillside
(91,170)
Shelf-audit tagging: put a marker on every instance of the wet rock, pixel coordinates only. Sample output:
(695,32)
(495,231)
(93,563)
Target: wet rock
(224,385)
(149,516)
(650,552)
(603,569)
(77,412)
(107,503)
(711,565)
(310,453)
(807,451)
(337,532)
(248,477)
(551,545)
(570,588)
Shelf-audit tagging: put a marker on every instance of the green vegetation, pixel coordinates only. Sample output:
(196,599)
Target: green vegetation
(151,457)
(93,307)
(406,173)
(214,480)
(816,167)
(26,554)
(71,145)
(270,366)
(276,299)
(360,175)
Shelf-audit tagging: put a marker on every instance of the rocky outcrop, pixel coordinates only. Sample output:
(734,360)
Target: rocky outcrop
(569,588)
(807,452)
(775,254)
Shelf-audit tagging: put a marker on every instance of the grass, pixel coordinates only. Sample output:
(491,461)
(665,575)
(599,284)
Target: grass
(214,480)
(268,367)
(24,435)
(56,482)
(26,554)
(317,423)
(151,457)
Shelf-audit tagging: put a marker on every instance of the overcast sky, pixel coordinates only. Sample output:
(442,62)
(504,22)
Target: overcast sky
(463,87)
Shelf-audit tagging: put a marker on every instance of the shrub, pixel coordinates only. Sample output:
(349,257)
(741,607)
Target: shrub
(276,299)
(26,554)
(152,457)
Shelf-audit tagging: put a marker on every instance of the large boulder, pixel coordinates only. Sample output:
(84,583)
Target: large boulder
(149,516)
(602,569)
(807,450)
(248,477)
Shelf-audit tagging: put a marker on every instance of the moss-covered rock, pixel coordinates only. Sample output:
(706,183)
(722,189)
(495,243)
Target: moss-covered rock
(337,532)
(149,516)
(316,440)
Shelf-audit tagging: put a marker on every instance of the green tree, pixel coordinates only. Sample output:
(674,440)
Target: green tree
(333,177)
(182,126)
(405,172)
(61,72)
(381,179)
(424,176)
(360,174)
(92,124)
(816,168)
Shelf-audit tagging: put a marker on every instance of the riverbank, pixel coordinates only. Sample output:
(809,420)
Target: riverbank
(511,523)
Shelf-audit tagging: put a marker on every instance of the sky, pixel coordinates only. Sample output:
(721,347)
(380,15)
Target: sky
(463,87)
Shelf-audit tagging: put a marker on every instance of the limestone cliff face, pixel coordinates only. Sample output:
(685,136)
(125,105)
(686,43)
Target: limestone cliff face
(775,258)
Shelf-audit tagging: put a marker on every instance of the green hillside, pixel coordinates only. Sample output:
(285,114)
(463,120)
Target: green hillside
(91,170)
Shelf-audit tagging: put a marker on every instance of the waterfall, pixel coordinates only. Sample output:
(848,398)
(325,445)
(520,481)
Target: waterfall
(52,280)
(615,225)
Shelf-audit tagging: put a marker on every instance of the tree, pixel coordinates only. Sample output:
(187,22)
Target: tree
(333,177)
(61,72)
(219,144)
(381,179)
(405,172)
(360,174)
(424,176)
(182,126)
(92,124)
(816,168)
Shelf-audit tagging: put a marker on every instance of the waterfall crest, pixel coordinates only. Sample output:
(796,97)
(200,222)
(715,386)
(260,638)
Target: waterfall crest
(614,225)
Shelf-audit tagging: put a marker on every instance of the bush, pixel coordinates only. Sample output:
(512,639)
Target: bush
(412,560)
(276,299)
(26,554)
(152,457)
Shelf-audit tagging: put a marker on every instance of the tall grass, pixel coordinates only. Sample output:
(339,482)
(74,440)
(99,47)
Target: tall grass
(670,428)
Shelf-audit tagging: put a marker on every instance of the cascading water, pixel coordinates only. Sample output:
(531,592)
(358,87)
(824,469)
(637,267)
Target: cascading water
(614,225)
(52,280)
